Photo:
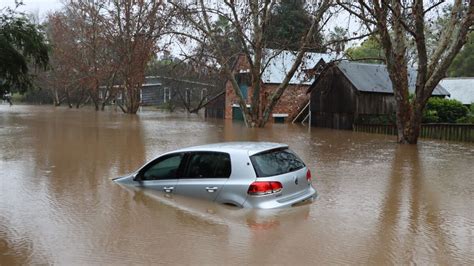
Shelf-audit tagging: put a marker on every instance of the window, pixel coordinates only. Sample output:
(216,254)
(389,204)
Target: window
(163,168)
(244,80)
(166,95)
(208,165)
(276,162)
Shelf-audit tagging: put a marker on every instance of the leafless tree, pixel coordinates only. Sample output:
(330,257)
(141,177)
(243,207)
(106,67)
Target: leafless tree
(82,60)
(250,19)
(133,28)
(397,24)
(101,44)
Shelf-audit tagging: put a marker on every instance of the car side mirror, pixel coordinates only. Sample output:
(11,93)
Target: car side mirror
(137,176)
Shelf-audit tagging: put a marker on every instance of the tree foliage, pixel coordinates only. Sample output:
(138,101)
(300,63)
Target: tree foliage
(22,43)
(369,51)
(463,63)
(288,23)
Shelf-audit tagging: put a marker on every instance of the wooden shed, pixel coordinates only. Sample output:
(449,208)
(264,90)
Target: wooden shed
(347,92)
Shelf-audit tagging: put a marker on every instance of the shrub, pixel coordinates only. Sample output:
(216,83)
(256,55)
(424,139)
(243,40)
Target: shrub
(446,110)
(466,120)
(469,119)
(430,116)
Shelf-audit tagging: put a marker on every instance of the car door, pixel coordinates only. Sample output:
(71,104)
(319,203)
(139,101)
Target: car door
(205,175)
(162,173)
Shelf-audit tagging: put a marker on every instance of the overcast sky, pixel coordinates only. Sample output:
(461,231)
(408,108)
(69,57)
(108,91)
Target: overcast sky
(40,9)
(36,7)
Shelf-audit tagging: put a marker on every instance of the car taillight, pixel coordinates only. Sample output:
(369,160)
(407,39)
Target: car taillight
(263,188)
(308,175)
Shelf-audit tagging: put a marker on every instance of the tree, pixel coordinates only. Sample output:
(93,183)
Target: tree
(102,48)
(133,28)
(369,51)
(79,62)
(21,43)
(250,20)
(463,63)
(288,22)
(398,23)
(336,39)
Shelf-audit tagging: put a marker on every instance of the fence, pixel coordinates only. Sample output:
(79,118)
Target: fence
(457,132)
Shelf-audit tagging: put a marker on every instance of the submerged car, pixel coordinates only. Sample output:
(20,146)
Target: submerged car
(246,174)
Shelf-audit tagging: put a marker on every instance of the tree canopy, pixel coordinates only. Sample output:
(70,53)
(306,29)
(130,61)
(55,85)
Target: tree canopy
(369,51)
(288,24)
(463,63)
(22,43)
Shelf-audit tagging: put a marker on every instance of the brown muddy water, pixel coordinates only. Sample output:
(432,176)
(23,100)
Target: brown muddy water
(380,203)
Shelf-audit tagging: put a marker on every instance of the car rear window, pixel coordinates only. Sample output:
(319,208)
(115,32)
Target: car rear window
(276,162)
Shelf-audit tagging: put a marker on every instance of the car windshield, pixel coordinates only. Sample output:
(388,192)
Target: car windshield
(276,162)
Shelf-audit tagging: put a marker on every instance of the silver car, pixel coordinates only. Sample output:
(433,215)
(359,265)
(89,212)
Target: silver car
(246,174)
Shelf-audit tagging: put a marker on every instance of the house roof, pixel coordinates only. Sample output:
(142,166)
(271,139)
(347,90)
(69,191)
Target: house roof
(278,63)
(157,80)
(375,78)
(461,89)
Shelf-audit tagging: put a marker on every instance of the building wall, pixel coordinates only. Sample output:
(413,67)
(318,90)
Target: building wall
(375,103)
(215,108)
(152,95)
(292,100)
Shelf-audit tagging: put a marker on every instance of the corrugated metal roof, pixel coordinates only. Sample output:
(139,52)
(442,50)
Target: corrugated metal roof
(375,78)
(461,89)
(279,63)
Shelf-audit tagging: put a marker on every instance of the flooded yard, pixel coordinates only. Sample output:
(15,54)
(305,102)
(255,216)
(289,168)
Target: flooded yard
(379,203)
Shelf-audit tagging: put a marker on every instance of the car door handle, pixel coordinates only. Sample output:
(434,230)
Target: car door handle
(168,189)
(211,189)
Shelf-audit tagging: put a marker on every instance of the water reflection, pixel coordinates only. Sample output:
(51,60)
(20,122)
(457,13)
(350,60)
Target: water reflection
(380,203)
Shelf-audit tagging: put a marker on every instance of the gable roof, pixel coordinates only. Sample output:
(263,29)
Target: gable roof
(375,78)
(278,63)
(461,89)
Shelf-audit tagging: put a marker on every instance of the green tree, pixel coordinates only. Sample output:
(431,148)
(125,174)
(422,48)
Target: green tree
(463,63)
(335,37)
(287,25)
(369,51)
(21,43)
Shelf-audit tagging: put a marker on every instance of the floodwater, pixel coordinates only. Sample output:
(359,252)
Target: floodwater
(380,203)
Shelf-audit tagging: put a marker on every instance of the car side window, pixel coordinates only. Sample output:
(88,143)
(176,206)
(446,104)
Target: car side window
(208,165)
(163,168)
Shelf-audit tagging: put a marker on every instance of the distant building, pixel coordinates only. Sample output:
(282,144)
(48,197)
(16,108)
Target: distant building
(461,89)
(346,92)
(158,90)
(276,65)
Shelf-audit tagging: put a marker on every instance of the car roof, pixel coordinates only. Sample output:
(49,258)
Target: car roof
(250,147)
